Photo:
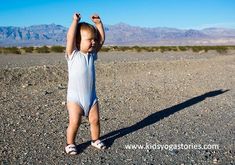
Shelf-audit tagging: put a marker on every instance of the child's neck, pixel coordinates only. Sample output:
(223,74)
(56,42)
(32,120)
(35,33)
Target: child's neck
(84,52)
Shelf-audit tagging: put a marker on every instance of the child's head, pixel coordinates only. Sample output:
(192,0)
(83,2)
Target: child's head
(86,37)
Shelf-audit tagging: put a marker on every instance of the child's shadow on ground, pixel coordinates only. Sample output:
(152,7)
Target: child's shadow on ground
(151,119)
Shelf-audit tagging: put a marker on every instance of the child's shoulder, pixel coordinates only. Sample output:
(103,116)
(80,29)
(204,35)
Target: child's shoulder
(70,56)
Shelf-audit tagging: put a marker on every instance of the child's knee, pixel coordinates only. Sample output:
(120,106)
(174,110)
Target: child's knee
(94,120)
(74,122)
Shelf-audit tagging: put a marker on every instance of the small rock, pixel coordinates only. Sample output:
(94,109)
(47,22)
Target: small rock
(174,152)
(47,92)
(215,161)
(202,51)
(104,119)
(24,86)
(60,86)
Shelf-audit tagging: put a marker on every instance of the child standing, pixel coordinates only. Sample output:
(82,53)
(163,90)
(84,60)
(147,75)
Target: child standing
(83,43)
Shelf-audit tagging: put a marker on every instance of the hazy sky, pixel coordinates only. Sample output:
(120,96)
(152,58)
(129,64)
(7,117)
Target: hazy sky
(183,14)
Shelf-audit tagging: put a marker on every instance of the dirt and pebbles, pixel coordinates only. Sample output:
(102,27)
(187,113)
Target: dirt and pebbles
(151,101)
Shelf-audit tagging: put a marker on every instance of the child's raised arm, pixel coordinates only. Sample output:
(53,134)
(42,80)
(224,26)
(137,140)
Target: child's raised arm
(71,35)
(101,34)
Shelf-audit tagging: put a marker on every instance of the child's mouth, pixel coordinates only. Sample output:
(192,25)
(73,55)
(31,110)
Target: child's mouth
(91,48)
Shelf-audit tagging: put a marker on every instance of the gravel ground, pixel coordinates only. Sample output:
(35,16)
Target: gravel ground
(148,99)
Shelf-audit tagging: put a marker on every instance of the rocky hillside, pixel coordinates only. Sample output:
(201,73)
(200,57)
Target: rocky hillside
(33,35)
(119,34)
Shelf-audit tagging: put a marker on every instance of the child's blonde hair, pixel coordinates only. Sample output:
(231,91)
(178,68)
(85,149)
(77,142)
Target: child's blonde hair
(84,26)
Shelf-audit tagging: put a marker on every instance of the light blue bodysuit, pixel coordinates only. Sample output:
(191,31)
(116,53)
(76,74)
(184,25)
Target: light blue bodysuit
(81,80)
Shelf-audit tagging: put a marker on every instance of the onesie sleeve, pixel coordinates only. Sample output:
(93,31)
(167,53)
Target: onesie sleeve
(70,57)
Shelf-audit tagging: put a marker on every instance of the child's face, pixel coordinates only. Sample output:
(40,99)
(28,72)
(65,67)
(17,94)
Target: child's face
(87,43)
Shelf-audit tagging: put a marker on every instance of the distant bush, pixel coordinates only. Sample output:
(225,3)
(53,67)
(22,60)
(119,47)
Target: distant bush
(10,50)
(167,48)
(57,49)
(182,48)
(148,49)
(43,49)
(174,48)
(115,48)
(136,48)
(197,48)
(28,49)
(155,48)
(105,49)
(123,48)
(221,49)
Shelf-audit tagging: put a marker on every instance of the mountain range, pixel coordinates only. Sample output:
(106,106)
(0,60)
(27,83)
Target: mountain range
(118,34)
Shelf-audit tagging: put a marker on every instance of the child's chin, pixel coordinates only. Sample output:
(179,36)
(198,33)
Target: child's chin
(91,49)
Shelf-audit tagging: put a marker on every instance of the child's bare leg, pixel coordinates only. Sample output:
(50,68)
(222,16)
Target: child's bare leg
(94,120)
(75,117)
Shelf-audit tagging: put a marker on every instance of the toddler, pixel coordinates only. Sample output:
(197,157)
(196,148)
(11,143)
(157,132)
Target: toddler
(83,43)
